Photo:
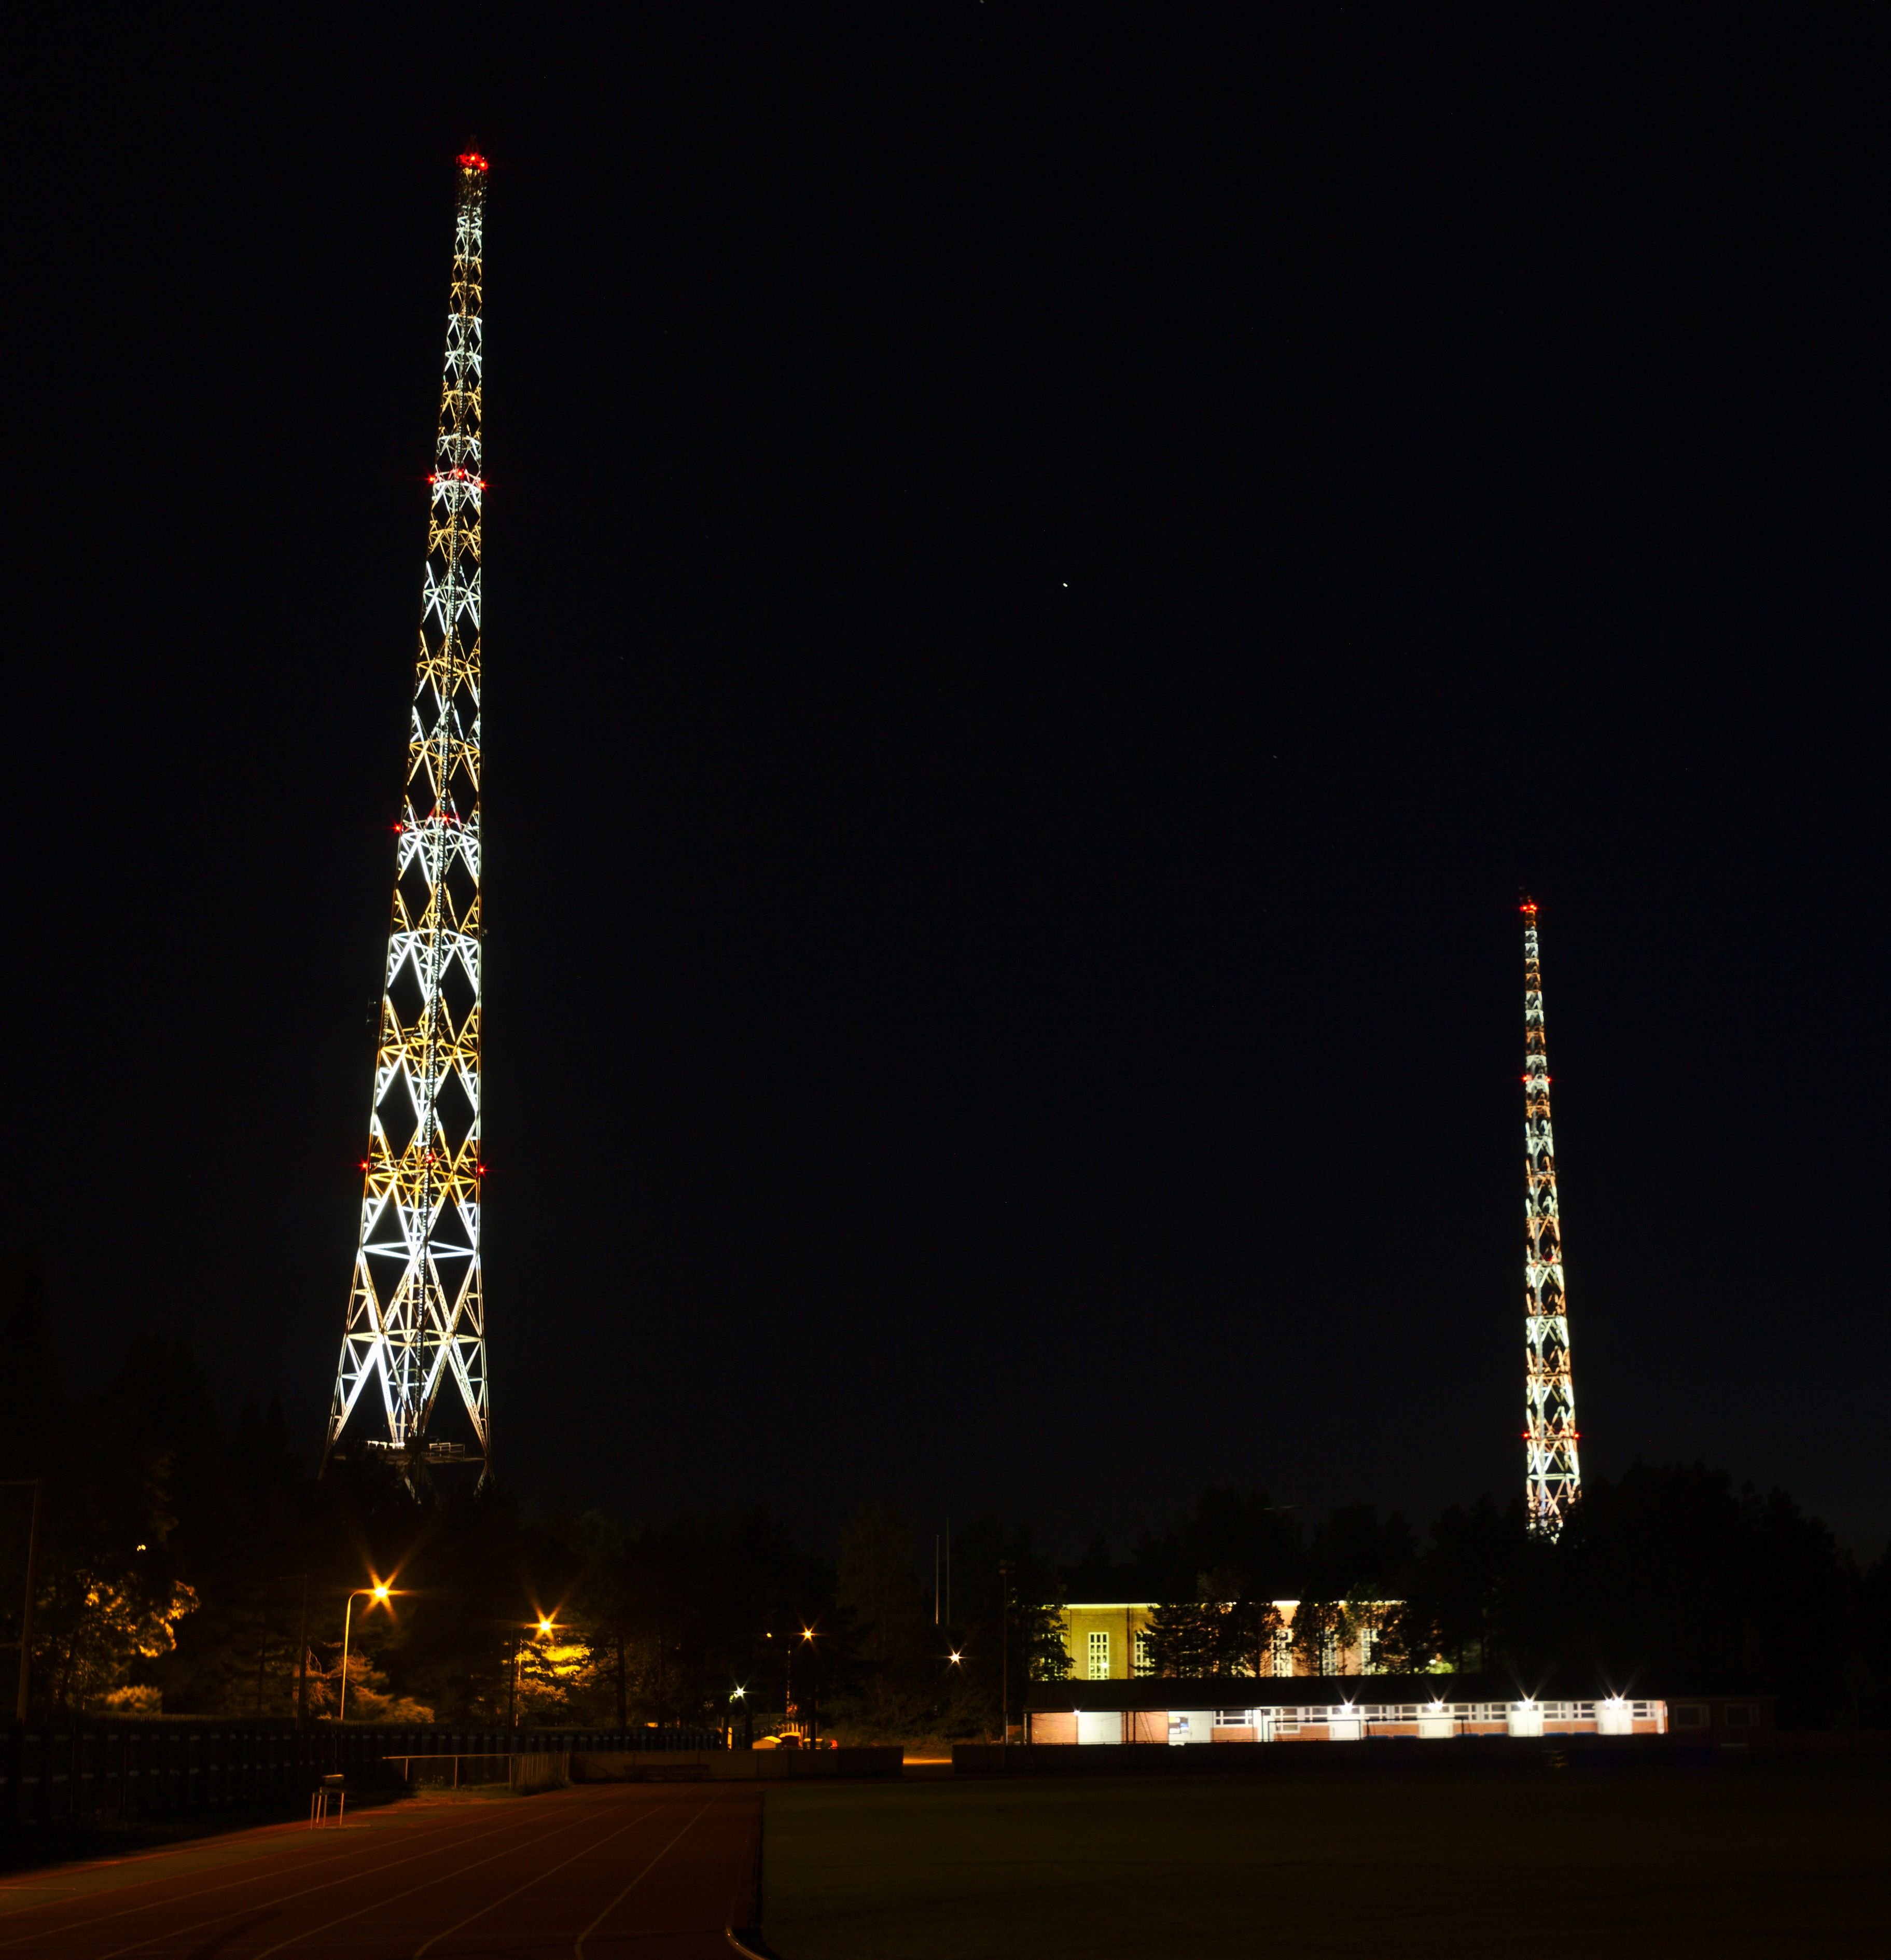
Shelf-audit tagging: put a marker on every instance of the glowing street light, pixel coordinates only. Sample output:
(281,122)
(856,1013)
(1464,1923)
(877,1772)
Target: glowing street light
(544,1627)
(378,1594)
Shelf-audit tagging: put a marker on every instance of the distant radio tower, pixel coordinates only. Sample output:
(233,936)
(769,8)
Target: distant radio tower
(1554,1480)
(416,1313)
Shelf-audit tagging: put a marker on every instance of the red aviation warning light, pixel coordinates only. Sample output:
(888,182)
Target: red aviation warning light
(473,160)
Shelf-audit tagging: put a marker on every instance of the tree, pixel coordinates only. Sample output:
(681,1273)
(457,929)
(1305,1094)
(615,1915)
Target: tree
(1318,1630)
(896,1684)
(1249,1628)
(1453,1606)
(1182,1638)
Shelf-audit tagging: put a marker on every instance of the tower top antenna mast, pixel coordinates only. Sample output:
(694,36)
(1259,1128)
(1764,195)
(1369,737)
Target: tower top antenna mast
(1553,1477)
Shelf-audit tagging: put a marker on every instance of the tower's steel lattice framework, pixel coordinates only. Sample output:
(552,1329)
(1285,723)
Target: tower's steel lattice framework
(1553,1478)
(416,1312)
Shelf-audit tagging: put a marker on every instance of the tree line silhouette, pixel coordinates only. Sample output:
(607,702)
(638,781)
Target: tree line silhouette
(186,1568)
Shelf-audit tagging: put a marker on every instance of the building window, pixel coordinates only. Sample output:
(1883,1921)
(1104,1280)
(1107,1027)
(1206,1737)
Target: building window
(1369,1651)
(1234,1718)
(1143,1664)
(1284,1652)
(1690,1715)
(1100,1656)
(1741,1714)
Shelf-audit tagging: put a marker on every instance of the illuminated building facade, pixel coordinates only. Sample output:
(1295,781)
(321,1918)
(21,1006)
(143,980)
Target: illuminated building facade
(416,1311)
(1334,1709)
(1108,1641)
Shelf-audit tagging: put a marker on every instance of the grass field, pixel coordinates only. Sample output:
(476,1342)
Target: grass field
(1722,1862)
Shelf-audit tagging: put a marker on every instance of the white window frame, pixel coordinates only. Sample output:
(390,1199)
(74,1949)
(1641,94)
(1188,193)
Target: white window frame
(1096,1644)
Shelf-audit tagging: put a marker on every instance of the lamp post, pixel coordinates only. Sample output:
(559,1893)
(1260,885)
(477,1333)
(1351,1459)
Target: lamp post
(378,1595)
(1004,1654)
(26,1608)
(302,1661)
(814,1702)
(542,1625)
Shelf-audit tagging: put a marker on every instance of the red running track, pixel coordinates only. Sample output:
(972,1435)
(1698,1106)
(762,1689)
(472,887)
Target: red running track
(599,1873)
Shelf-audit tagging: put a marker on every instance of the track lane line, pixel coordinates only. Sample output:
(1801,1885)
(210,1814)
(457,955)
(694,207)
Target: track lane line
(375,1905)
(579,1950)
(328,1885)
(79,1867)
(288,1835)
(494,1907)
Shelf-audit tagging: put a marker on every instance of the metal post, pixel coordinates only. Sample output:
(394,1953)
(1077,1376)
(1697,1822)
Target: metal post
(1004,1655)
(302,1664)
(26,1610)
(340,1714)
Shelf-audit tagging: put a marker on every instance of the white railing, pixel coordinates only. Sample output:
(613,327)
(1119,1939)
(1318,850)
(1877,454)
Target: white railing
(1618,1716)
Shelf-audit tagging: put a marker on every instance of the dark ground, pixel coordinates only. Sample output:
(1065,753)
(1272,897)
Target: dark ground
(1755,1861)
(596,1872)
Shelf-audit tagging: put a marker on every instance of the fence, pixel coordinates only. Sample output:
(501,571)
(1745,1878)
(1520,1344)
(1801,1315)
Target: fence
(80,1771)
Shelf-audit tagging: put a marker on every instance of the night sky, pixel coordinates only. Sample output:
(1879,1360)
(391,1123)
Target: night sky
(1050,576)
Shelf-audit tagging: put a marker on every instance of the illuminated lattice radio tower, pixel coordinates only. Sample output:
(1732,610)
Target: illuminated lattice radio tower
(416,1313)
(1553,1478)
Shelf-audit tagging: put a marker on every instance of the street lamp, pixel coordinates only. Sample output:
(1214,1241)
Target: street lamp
(544,1625)
(1005,1653)
(377,1595)
(33,1573)
(814,1700)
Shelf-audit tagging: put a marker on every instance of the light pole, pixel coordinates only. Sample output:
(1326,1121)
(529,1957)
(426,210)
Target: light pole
(25,1609)
(814,1702)
(541,1626)
(378,1595)
(1004,1654)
